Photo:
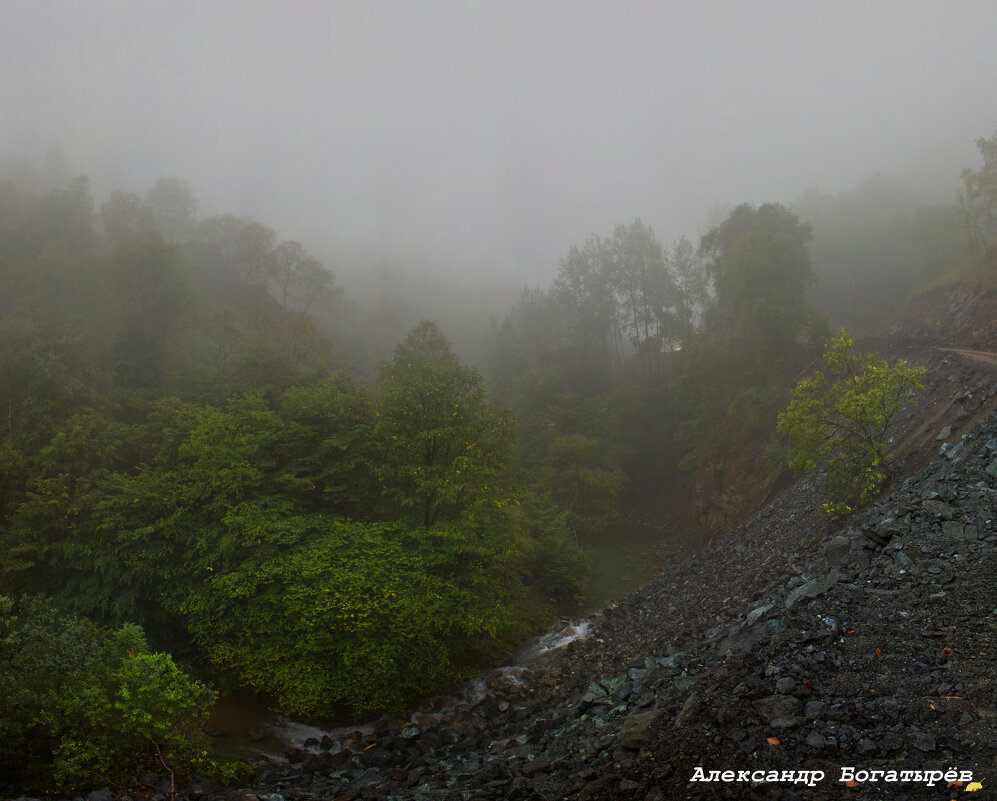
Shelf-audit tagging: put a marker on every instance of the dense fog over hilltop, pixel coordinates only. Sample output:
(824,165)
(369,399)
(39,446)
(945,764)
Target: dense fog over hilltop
(498,134)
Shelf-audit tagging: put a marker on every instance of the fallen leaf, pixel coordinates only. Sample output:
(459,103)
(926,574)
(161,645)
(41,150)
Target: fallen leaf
(851,783)
(972,787)
(773,741)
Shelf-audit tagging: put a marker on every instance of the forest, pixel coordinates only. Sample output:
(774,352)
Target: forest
(200,489)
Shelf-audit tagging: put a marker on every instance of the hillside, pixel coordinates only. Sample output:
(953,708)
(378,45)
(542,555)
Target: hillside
(749,649)
(783,645)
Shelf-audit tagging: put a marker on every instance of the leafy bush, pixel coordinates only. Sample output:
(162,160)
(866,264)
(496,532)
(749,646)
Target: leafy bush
(838,422)
(82,705)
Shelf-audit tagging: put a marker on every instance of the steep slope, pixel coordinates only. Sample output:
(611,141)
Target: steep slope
(780,646)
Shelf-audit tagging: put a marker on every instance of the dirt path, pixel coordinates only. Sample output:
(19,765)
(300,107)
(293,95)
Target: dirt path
(982,356)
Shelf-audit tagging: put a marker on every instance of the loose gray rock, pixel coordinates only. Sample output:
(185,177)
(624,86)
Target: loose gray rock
(816,740)
(776,706)
(814,709)
(756,614)
(812,589)
(836,550)
(635,732)
(686,712)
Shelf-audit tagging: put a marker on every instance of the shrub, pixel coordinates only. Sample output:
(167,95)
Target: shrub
(838,421)
(83,705)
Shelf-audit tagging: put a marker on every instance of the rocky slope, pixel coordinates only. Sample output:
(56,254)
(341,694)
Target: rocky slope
(780,648)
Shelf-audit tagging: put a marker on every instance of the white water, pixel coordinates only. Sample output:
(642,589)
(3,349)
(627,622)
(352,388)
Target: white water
(553,640)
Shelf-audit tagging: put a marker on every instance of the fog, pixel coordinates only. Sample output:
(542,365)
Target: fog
(495,135)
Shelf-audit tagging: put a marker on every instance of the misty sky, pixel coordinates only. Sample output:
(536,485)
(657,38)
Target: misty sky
(496,133)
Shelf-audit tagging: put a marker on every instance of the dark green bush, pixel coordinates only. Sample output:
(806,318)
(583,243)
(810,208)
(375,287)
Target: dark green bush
(85,706)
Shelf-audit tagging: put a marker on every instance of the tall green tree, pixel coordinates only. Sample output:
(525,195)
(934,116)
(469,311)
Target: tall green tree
(760,269)
(645,288)
(443,447)
(978,199)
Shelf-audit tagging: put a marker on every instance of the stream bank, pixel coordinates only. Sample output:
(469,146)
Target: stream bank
(625,556)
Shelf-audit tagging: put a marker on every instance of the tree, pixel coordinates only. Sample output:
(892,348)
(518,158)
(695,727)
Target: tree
(124,218)
(236,251)
(152,294)
(758,262)
(298,279)
(174,209)
(838,421)
(692,288)
(586,306)
(583,480)
(82,705)
(443,447)
(644,286)
(978,197)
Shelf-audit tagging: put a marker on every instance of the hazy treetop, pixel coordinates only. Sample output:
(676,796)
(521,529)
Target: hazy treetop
(498,132)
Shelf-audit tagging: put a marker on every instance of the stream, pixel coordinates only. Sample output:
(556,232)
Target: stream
(623,559)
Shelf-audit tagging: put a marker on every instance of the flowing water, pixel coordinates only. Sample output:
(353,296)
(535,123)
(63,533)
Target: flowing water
(623,559)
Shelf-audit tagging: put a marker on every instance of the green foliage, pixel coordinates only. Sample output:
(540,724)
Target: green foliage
(364,616)
(83,706)
(572,447)
(581,479)
(760,268)
(330,547)
(978,201)
(838,421)
(177,453)
(441,447)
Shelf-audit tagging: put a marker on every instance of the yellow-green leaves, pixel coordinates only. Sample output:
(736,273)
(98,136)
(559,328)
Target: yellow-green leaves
(838,422)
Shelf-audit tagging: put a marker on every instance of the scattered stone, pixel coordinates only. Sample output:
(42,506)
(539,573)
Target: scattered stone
(686,712)
(814,709)
(812,589)
(723,635)
(776,706)
(756,614)
(635,732)
(836,550)
(816,740)
(923,741)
